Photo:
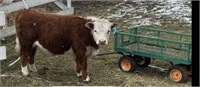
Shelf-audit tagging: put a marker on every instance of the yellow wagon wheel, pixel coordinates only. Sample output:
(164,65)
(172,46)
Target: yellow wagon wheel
(178,74)
(127,64)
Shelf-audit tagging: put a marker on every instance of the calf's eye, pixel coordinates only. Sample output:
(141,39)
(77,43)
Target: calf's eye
(95,31)
(108,32)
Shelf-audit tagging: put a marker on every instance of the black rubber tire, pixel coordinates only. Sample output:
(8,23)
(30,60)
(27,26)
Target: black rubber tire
(127,64)
(181,74)
(142,61)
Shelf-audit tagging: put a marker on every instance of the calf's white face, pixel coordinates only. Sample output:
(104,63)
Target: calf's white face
(100,29)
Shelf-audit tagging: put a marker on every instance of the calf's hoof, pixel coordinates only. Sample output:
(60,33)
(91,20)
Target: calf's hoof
(25,71)
(32,67)
(79,75)
(87,79)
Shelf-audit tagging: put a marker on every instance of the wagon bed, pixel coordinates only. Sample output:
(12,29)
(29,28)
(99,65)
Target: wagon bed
(156,50)
(155,43)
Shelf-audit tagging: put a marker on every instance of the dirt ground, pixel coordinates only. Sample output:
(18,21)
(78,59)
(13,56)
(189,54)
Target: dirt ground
(59,70)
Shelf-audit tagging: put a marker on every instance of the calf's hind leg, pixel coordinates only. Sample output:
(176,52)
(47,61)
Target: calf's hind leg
(24,61)
(32,66)
(27,59)
(78,68)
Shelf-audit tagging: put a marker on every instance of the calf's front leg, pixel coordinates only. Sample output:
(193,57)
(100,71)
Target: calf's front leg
(81,63)
(85,76)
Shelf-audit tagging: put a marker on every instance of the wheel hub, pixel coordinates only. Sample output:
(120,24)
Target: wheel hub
(126,65)
(176,75)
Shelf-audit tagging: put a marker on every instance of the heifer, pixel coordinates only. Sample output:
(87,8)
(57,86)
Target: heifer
(57,34)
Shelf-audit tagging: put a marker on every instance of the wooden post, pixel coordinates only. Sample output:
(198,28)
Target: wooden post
(2,17)
(69,3)
(2,48)
(2,22)
(0,36)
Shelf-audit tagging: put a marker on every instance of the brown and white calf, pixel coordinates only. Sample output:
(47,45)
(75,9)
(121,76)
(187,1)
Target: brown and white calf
(57,34)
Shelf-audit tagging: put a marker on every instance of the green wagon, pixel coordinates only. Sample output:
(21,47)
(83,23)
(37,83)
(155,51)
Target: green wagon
(141,44)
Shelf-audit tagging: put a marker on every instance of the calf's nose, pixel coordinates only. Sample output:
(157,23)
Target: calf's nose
(102,42)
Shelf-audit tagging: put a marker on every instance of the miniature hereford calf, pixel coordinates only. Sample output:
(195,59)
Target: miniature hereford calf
(57,34)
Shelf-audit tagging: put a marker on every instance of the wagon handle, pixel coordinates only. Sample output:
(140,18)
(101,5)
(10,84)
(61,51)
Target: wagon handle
(101,54)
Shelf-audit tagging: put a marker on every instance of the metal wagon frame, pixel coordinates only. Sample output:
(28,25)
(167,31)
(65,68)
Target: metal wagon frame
(141,44)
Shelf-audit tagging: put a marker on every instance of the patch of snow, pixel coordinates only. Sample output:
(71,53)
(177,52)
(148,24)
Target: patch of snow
(137,17)
(175,9)
(146,21)
(3,75)
(108,10)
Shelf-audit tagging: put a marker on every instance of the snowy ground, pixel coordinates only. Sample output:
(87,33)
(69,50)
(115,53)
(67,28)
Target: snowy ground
(148,12)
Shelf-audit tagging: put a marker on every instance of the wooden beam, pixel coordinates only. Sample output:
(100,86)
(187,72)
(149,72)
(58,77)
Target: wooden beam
(7,32)
(60,5)
(68,11)
(12,7)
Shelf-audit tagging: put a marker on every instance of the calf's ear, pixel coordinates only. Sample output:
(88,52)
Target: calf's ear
(89,25)
(113,26)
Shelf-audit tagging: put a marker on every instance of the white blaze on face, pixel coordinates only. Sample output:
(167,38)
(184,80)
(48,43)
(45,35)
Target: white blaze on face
(101,30)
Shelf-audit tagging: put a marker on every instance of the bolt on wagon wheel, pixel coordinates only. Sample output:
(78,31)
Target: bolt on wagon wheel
(142,61)
(127,64)
(177,74)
